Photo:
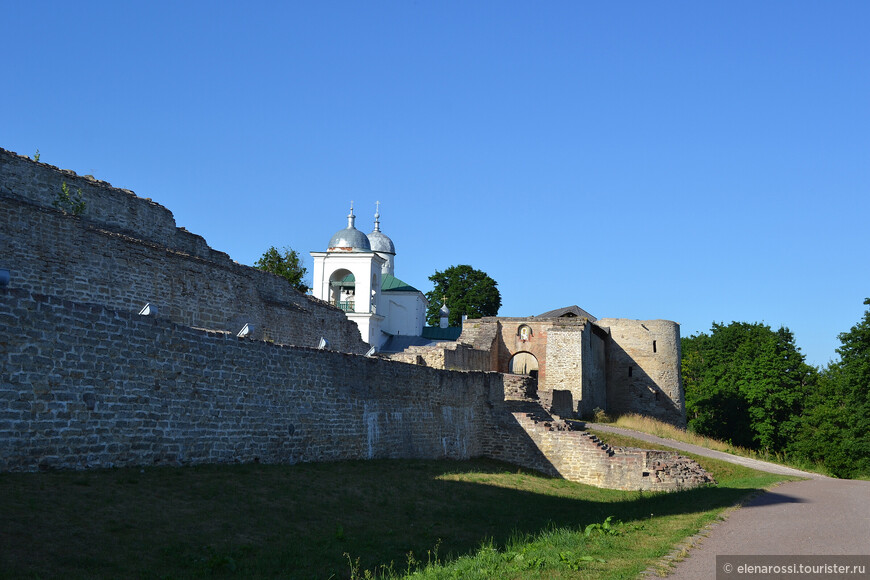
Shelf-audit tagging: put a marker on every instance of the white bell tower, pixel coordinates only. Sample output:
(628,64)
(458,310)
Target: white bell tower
(348,276)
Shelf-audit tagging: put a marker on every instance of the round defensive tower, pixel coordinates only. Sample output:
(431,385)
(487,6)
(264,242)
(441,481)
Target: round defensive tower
(643,371)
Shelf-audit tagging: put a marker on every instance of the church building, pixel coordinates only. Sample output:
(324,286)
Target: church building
(356,273)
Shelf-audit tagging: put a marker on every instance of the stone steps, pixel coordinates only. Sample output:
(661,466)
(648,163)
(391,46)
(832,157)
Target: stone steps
(578,455)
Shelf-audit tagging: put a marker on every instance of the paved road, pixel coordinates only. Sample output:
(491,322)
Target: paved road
(818,516)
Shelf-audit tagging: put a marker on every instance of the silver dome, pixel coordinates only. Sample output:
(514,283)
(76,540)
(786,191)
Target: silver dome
(349,239)
(381,243)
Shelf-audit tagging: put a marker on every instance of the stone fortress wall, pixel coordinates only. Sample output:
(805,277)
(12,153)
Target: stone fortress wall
(88,382)
(125,251)
(448,355)
(114,388)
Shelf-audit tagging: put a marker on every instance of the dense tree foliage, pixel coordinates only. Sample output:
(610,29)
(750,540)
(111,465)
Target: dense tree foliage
(467,292)
(745,383)
(287,265)
(836,428)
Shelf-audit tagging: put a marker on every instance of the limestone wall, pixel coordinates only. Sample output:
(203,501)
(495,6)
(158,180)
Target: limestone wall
(577,363)
(125,251)
(87,382)
(594,361)
(503,337)
(481,334)
(616,364)
(86,386)
(564,362)
(529,437)
(510,341)
(643,372)
(118,209)
(446,355)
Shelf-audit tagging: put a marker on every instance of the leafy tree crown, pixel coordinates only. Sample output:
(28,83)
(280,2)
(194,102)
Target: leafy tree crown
(745,383)
(466,291)
(287,265)
(835,429)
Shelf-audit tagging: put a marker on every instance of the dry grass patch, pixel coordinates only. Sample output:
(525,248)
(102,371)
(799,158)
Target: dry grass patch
(668,431)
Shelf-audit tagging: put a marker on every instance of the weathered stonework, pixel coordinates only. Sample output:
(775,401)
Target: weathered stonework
(88,382)
(114,388)
(643,369)
(614,364)
(559,449)
(132,254)
(449,355)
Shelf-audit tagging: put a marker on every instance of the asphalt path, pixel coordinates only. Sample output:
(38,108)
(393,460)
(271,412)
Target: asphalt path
(817,516)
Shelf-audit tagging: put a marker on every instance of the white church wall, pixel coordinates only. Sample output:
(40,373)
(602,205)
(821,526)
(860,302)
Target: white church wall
(405,313)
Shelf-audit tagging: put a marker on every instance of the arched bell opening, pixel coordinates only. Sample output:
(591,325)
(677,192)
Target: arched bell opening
(342,290)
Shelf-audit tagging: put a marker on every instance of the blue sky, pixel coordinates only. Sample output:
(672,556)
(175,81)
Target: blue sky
(692,161)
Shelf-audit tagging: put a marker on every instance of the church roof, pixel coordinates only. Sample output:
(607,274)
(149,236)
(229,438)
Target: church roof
(438,333)
(349,239)
(379,241)
(399,343)
(390,283)
(431,335)
(567,312)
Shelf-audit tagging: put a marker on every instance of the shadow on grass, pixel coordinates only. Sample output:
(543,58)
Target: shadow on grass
(295,521)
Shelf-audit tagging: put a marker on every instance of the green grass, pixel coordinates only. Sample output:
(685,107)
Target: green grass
(653,427)
(336,520)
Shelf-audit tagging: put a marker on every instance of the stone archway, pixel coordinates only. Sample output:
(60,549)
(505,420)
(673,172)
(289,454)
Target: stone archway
(523,363)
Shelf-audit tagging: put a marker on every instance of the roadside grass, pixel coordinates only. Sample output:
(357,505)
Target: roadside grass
(668,431)
(390,518)
(619,547)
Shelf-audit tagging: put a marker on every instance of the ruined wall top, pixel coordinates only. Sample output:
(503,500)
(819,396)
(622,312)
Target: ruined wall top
(74,256)
(39,183)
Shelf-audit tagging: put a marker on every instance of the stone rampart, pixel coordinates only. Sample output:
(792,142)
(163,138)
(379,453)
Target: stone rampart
(118,209)
(86,386)
(125,251)
(447,355)
(565,363)
(88,382)
(481,335)
(525,434)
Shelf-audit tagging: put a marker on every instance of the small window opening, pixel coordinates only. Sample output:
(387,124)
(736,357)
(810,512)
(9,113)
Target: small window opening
(630,371)
(657,395)
(654,346)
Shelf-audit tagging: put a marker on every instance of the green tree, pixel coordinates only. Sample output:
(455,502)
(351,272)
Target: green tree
(467,292)
(836,429)
(287,265)
(745,383)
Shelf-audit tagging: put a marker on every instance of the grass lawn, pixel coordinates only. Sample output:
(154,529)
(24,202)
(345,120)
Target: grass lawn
(475,518)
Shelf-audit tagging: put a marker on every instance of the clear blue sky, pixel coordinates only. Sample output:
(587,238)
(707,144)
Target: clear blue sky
(693,161)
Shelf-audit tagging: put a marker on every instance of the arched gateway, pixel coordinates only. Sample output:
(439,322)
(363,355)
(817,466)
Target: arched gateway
(523,363)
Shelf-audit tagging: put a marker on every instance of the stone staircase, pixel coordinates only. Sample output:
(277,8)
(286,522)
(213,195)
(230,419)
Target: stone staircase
(567,450)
